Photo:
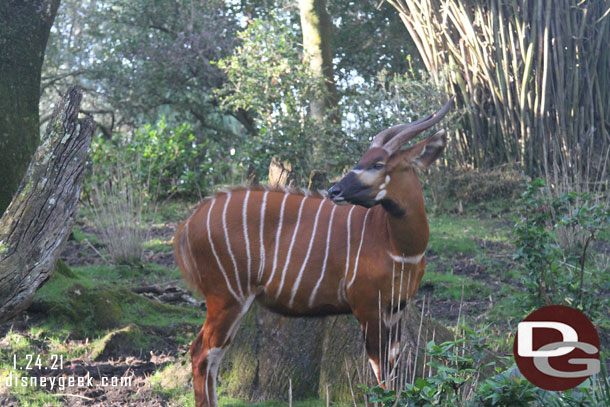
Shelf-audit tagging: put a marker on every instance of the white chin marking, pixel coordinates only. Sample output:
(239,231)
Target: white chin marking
(381,195)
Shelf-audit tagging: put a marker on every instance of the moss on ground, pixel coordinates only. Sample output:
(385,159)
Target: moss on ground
(90,304)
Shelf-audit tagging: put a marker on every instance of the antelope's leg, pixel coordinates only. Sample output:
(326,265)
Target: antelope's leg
(375,337)
(211,344)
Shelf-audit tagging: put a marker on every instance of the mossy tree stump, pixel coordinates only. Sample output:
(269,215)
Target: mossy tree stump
(35,226)
(314,353)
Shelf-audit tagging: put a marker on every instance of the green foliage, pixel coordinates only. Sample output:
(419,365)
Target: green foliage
(390,99)
(552,273)
(165,160)
(368,37)
(266,77)
(141,59)
(458,368)
(451,285)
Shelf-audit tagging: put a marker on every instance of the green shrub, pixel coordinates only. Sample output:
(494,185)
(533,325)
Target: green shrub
(164,160)
(554,273)
(458,379)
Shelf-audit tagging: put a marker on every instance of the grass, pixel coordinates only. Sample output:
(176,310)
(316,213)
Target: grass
(158,246)
(453,235)
(450,286)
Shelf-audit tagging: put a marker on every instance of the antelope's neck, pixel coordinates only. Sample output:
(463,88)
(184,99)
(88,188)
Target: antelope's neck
(407,226)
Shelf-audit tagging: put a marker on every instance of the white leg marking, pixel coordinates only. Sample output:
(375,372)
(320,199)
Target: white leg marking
(390,319)
(245,227)
(261,267)
(222,270)
(349,225)
(213,359)
(224,227)
(408,259)
(295,287)
(359,248)
(235,325)
(394,352)
(375,369)
(315,290)
(277,240)
(289,255)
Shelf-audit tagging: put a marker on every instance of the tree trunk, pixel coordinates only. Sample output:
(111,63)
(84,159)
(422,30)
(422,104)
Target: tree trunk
(315,353)
(24,31)
(39,219)
(270,349)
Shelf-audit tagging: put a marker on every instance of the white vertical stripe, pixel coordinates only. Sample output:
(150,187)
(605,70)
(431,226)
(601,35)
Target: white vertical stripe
(224,227)
(277,239)
(359,248)
(245,227)
(294,234)
(222,270)
(315,290)
(295,287)
(261,266)
(349,225)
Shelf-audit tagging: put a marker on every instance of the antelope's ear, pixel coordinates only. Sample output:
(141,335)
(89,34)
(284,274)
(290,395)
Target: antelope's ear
(422,154)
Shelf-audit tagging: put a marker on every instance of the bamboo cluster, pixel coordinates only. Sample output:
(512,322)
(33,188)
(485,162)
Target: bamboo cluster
(533,75)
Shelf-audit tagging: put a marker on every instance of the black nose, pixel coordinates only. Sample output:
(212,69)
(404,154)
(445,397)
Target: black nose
(334,191)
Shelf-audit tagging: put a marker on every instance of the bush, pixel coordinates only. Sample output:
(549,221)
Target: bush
(267,77)
(448,187)
(554,273)
(118,200)
(167,160)
(457,369)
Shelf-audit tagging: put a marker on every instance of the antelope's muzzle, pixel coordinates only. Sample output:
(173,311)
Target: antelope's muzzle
(351,190)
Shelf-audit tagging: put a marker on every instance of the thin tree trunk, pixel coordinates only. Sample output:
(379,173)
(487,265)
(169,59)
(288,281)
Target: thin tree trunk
(24,31)
(317,31)
(39,219)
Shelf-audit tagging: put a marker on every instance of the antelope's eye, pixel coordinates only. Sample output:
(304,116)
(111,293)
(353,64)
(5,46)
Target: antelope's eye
(377,166)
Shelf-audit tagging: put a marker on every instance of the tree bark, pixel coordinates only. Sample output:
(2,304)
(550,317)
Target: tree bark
(39,219)
(24,31)
(315,353)
(317,32)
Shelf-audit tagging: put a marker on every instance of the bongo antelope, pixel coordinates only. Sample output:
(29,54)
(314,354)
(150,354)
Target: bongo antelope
(310,254)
